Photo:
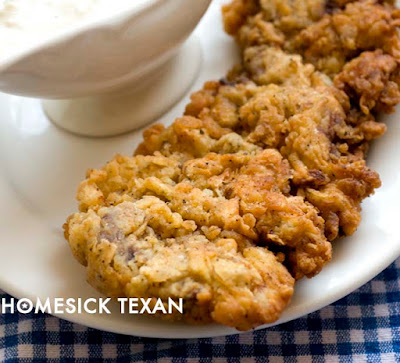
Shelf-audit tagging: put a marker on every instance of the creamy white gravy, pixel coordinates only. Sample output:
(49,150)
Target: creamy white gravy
(24,23)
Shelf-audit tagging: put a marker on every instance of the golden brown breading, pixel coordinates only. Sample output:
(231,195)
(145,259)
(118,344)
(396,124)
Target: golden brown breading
(306,124)
(265,65)
(299,121)
(314,121)
(271,65)
(372,77)
(337,38)
(199,221)
(262,22)
(282,220)
(247,193)
(251,20)
(284,14)
(334,5)
(340,33)
(372,80)
(235,13)
(326,33)
(218,280)
(339,200)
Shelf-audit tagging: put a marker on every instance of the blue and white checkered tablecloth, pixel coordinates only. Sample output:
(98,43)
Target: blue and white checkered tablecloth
(362,327)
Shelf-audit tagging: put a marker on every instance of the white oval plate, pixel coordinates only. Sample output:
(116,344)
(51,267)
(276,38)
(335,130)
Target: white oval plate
(41,166)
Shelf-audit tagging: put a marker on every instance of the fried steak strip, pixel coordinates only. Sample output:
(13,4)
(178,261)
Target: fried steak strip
(152,226)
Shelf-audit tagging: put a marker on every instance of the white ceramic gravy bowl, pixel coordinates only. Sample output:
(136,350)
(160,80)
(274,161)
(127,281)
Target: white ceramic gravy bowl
(107,76)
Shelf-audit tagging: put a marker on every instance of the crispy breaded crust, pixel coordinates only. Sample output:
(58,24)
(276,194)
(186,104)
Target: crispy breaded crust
(125,256)
(337,38)
(310,128)
(151,226)
(373,80)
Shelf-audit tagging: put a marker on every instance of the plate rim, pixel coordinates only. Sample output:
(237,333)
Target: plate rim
(74,318)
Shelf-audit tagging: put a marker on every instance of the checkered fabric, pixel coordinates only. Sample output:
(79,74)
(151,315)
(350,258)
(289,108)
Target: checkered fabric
(362,327)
